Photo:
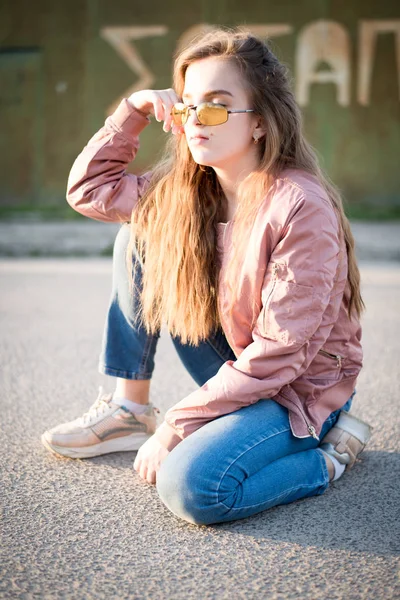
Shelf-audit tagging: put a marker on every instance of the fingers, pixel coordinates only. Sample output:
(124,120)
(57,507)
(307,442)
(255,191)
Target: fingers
(163,103)
(145,472)
(171,99)
(149,458)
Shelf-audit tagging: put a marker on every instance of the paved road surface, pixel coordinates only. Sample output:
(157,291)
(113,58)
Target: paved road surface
(94,529)
(374,240)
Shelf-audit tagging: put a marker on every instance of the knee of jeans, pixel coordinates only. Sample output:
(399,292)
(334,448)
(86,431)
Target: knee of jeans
(179,486)
(121,243)
(122,272)
(122,239)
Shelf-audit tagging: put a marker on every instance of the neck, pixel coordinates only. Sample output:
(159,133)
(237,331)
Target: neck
(230,176)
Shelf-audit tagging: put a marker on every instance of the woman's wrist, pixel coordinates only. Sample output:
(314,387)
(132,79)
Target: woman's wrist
(142,112)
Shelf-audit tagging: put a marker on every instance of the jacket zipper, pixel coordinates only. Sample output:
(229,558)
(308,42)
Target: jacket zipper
(337,357)
(310,428)
(312,431)
(275,269)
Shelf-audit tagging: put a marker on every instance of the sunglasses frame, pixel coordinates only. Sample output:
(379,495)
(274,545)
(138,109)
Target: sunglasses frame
(187,110)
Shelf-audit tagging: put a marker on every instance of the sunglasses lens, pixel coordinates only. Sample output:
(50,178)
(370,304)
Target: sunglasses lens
(211,114)
(179,113)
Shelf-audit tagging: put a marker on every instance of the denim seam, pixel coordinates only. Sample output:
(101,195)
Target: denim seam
(323,465)
(146,351)
(217,350)
(123,374)
(279,495)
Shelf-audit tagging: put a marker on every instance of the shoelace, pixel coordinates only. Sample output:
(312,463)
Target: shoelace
(100,405)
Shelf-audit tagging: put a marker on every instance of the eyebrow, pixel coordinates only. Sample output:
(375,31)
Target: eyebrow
(212,93)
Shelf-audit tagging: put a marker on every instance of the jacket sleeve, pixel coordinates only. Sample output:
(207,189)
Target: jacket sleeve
(296,291)
(98,186)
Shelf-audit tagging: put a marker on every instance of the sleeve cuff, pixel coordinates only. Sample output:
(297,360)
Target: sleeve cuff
(128,119)
(167,436)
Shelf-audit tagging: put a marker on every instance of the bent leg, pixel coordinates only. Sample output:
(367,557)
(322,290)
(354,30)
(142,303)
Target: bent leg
(203,361)
(127,349)
(241,464)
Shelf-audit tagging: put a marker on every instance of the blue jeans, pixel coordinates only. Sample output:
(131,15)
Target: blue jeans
(235,466)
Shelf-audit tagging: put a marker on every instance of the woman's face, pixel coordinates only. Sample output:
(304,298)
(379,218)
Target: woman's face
(229,143)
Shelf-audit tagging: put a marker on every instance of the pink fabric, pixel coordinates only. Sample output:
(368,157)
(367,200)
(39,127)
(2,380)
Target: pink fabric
(294,270)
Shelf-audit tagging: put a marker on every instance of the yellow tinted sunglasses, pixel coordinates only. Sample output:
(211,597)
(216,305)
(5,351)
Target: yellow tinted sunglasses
(208,113)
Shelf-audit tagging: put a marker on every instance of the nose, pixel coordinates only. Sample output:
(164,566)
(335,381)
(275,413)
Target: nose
(192,117)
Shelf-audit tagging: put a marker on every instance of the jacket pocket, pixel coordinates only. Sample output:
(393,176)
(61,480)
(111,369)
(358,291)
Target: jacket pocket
(325,365)
(289,310)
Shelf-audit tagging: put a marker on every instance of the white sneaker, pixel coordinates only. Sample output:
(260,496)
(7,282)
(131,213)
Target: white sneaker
(105,428)
(347,438)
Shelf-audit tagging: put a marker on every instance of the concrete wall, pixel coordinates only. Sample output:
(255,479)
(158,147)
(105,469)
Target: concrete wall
(64,66)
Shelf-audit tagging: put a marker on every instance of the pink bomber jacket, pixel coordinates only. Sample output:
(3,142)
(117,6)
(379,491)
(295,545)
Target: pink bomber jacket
(303,351)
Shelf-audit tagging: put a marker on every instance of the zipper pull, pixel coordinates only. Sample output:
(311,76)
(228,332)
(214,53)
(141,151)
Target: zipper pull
(275,269)
(336,356)
(312,431)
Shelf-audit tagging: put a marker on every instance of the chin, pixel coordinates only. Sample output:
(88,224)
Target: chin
(203,159)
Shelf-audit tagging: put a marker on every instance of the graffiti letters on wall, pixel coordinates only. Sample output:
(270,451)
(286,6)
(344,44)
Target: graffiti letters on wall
(318,43)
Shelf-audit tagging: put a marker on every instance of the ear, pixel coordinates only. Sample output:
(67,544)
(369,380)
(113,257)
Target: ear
(260,128)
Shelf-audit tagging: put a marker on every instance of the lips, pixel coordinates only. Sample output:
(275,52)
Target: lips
(198,137)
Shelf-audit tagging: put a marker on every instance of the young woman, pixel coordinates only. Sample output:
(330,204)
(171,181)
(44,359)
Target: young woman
(240,245)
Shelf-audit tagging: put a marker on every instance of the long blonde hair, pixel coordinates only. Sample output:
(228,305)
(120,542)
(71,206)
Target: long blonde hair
(174,225)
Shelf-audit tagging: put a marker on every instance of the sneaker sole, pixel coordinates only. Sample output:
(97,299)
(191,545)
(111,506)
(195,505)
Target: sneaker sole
(127,443)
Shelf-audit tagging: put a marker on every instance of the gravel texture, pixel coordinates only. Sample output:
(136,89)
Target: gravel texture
(93,529)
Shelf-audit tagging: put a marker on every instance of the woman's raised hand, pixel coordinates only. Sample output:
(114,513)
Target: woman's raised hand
(159,104)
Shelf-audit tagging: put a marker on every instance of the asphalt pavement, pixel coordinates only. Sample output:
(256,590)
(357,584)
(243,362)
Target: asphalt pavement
(93,529)
(35,238)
